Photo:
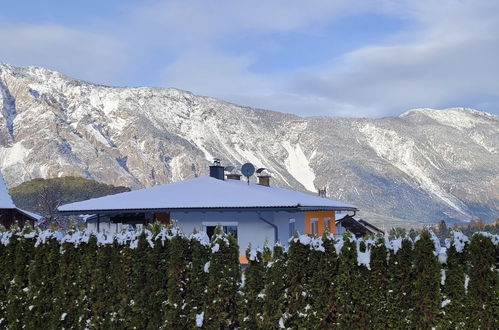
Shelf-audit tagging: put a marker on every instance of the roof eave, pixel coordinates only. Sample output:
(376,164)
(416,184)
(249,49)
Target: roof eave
(214,208)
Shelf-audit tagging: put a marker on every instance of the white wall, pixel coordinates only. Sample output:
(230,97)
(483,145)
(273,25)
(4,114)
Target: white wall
(251,229)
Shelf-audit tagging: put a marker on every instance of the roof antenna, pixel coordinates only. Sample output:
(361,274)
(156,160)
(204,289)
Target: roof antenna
(248,170)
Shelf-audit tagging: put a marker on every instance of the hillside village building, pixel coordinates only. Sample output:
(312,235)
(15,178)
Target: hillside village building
(10,213)
(253,213)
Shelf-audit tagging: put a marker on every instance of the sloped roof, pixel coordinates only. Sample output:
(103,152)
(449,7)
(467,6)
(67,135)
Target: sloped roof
(31,215)
(205,192)
(373,227)
(5,199)
(358,227)
(6,202)
(354,226)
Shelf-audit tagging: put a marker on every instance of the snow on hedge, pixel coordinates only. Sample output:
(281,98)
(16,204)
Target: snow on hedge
(459,240)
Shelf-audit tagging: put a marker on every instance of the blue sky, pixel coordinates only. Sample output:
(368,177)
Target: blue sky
(336,57)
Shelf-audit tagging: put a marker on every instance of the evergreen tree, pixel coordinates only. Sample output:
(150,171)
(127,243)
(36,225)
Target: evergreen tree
(8,247)
(483,289)
(84,284)
(453,291)
(413,234)
(324,285)
(103,291)
(224,282)
(43,280)
(254,282)
(377,285)
(140,288)
(426,292)
(17,296)
(267,254)
(351,305)
(178,283)
(198,276)
(128,268)
(67,309)
(117,285)
(298,272)
(159,280)
(275,291)
(400,285)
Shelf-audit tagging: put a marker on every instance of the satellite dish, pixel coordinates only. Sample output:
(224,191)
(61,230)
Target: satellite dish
(248,170)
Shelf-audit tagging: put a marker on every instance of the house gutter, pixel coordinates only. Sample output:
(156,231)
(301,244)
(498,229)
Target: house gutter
(276,230)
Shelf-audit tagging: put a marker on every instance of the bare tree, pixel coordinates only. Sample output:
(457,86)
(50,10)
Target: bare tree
(48,200)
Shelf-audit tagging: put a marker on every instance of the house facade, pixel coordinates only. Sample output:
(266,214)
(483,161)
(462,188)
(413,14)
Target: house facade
(255,213)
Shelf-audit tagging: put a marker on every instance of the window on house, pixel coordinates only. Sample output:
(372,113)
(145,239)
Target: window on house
(210,230)
(328,224)
(313,226)
(231,230)
(291,227)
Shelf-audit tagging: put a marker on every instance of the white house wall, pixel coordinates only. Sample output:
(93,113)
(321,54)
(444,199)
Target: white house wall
(250,228)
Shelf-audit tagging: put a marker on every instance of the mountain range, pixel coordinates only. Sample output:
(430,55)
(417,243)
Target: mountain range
(420,167)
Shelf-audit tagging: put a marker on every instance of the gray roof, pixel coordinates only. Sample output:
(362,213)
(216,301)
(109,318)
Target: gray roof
(202,193)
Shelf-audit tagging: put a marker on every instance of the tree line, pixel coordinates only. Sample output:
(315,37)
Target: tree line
(160,278)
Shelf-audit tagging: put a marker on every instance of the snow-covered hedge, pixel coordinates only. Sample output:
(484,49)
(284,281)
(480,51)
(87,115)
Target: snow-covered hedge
(161,278)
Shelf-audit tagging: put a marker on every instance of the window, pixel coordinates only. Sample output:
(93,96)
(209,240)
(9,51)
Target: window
(210,230)
(328,224)
(231,230)
(228,228)
(291,227)
(313,226)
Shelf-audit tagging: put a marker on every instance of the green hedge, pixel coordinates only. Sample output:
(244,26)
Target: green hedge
(160,278)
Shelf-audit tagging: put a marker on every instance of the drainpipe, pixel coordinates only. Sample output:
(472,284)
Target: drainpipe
(276,230)
(98,223)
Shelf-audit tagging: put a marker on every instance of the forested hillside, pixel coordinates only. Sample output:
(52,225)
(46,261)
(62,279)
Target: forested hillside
(43,196)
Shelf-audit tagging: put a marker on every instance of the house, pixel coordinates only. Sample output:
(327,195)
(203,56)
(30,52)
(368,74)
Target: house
(254,213)
(359,228)
(9,213)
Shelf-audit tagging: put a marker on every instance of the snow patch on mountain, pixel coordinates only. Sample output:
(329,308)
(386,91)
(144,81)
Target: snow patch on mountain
(13,155)
(299,166)
(483,141)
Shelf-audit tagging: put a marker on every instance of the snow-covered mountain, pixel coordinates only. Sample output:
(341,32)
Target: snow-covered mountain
(423,166)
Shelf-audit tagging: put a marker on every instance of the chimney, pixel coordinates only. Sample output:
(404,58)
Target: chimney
(264,180)
(234,176)
(217,170)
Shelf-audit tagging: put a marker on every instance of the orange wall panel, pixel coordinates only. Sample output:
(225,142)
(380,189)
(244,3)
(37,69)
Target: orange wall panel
(321,225)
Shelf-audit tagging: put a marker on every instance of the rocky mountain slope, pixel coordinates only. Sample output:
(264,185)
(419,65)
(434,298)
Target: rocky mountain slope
(422,166)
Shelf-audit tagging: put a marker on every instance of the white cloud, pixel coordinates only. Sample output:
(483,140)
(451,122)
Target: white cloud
(450,60)
(199,21)
(448,55)
(88,55)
